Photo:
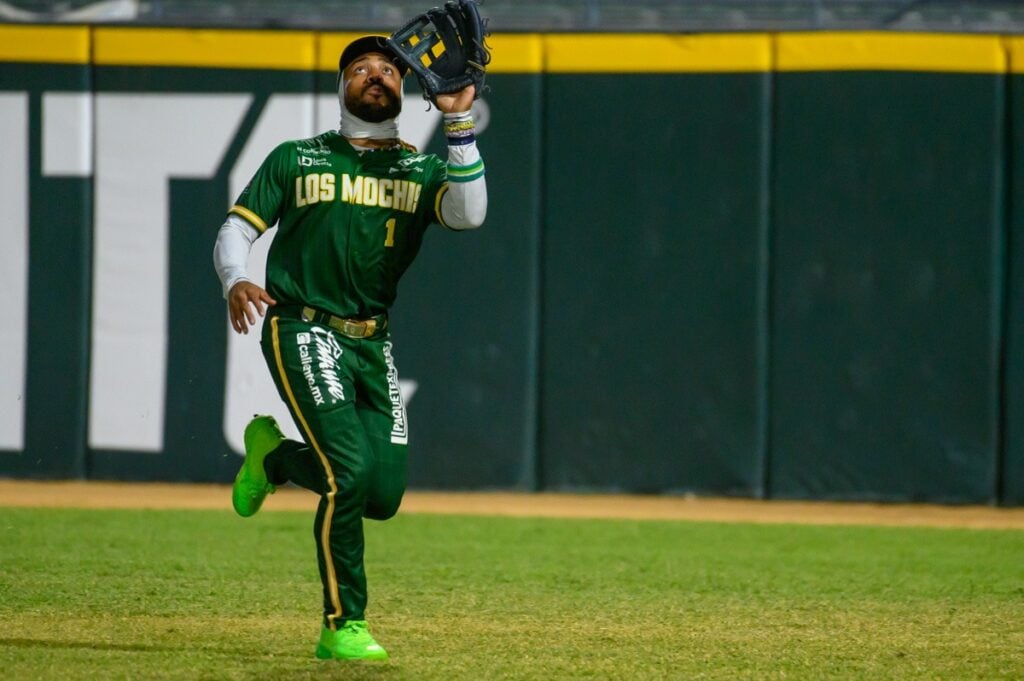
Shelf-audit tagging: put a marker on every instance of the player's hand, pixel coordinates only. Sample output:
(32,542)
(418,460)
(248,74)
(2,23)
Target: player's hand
(245,301)
(457,101)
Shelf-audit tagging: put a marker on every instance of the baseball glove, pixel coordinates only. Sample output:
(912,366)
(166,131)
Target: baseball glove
(445,48)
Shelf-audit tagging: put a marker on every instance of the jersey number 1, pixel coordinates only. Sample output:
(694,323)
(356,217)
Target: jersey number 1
(389,240)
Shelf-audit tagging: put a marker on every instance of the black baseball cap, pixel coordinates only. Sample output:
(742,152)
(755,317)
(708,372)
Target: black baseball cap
(369,43)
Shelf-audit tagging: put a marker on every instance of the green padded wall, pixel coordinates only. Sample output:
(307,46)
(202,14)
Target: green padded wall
(1012,492)
(886,267)
(775,265)
(651,272)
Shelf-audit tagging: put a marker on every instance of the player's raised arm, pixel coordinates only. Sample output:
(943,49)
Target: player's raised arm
(451,66)
(464,205)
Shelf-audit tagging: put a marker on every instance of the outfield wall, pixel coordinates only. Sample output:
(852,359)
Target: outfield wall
(771,265)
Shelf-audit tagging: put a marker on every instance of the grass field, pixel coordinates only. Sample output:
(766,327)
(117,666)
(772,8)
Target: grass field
(105,594)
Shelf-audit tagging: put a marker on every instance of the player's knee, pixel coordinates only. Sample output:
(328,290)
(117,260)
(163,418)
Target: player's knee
(356,477)
(351,487)
(379,513)
(383,509)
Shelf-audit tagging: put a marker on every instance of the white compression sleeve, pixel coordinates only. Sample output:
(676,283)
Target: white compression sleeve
(231,252)
(464,205)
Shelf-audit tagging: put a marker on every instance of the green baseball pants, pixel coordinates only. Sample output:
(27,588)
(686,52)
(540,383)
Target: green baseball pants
(343,395)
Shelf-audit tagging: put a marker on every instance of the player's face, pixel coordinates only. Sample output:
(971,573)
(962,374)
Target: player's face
(372,88)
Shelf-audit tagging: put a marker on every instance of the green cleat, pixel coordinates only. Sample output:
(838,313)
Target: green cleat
(351,642)
(251,487)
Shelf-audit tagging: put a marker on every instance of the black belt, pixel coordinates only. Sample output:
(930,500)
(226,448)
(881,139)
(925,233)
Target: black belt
(353,328)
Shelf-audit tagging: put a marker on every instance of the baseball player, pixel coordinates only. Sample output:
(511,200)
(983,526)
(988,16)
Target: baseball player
(352,207)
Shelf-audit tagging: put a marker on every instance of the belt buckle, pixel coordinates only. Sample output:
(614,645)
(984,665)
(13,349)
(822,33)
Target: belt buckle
(358,329)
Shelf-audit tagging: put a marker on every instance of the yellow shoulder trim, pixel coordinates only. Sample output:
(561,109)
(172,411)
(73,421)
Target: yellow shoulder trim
(250,217)
(437,204)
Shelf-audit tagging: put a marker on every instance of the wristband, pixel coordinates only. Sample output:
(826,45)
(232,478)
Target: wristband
(459,128)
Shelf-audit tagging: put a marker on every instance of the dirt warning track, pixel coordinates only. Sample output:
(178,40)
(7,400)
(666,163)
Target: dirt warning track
(77,494)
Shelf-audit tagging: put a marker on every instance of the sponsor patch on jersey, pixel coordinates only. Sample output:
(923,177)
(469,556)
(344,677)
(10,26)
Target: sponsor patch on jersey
(406,165)
(314,151)
(319,354)
(309,162)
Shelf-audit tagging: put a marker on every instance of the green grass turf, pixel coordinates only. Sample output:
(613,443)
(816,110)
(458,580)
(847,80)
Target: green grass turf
(207,595)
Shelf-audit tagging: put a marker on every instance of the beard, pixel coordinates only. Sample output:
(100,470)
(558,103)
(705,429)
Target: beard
(374,112)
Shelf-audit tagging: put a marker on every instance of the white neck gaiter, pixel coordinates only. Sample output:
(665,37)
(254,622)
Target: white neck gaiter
(353,127)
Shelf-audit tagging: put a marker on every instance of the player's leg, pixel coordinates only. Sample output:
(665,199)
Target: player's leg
(311,366)
(291,460)
(296,462)
(338,531)
(382,413)
(388,471)
(338,528)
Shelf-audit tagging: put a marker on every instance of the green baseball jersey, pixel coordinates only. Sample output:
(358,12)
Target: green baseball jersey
(349,223)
